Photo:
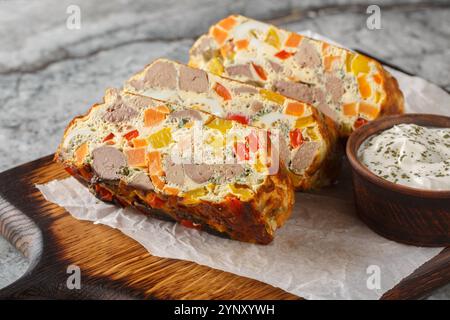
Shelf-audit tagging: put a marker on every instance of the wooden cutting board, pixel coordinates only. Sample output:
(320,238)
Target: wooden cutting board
(114,266)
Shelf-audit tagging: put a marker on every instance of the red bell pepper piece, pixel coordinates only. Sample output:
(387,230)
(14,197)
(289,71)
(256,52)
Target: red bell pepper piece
(238,117)
(296,138)
(360,122)
(242,151)
(283,54)
(131,135)
(260,71)
(109,137)
(252,141)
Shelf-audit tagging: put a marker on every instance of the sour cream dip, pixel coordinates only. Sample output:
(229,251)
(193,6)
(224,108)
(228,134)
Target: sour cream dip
(410,155)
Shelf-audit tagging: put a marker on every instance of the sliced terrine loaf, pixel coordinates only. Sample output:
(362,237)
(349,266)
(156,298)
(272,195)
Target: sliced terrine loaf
(180,164)
(307,139)
(348,87)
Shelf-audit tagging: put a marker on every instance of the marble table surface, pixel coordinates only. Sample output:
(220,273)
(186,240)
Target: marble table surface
(50,73)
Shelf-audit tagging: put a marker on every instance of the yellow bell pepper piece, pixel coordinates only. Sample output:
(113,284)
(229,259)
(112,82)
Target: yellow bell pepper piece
(243,193)
(161,138)
(312,133)
(377,96)
(215,66)
(348,61)
(192,196)
(272,38)
(360,64)
(216,141)
(272,96)
(304,122)
(220,124)
(260,166)
(196,193)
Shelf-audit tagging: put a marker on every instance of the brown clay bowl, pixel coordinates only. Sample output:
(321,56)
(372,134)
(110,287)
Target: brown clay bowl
(400,213)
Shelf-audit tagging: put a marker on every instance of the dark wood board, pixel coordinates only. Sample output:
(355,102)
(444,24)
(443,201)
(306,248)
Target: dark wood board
(114,266)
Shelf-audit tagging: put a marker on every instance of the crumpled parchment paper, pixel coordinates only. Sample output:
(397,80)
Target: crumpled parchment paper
(323,252)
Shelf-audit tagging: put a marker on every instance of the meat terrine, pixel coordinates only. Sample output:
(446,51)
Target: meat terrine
(348,87)
(307,139)
(179,164)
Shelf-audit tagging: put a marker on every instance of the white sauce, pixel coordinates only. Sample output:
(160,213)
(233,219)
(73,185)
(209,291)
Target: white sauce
(410,155)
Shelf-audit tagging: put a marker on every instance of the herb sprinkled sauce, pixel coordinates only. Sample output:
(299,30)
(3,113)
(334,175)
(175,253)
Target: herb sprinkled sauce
(410,155)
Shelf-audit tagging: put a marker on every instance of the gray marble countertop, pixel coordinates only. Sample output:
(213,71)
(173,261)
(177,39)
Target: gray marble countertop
(50,73)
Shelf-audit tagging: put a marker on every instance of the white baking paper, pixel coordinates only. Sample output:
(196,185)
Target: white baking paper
(323,252)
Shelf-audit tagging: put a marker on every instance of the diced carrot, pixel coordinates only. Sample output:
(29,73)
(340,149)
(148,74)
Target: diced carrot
(328,62)
(171,191)
(260,71)
(241,44)
(152,117)
(377,78)
(138,143)
(368,109)
(81,153)
(364,87)
(154,163)
(293,40)
(130,135)
(228,22)
(222,91)
(136,157)
(283,54)
(350,109)
(295,109)
(163,109)
(227,51)
(157,182)
(325,47)
(219,35)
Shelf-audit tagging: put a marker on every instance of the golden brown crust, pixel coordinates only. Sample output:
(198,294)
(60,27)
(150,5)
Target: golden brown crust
(254,221)
(394,102)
